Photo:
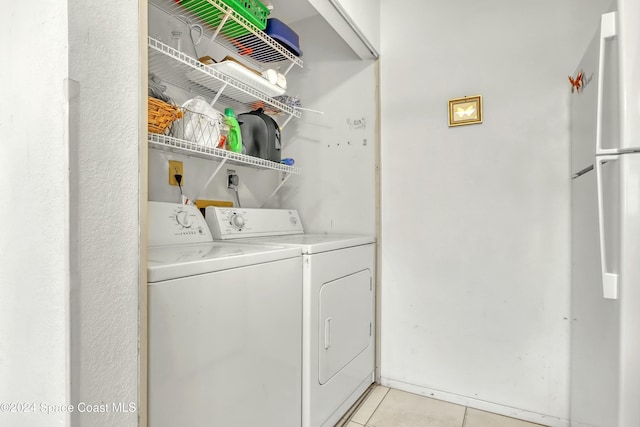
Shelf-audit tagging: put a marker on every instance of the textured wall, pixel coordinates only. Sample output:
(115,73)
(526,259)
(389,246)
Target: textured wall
(104,59)
(33,222)
(475,258)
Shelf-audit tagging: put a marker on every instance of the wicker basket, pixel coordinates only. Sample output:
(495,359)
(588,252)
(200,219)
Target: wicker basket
(161,115)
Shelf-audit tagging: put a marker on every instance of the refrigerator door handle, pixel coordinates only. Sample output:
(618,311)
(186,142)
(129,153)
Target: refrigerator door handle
(609,280)
(607,31)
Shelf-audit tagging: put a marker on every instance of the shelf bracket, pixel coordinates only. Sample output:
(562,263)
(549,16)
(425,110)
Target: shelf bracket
(219,28)
(290,67)
(287,121)
(218,94)
(287,176)
(215,172)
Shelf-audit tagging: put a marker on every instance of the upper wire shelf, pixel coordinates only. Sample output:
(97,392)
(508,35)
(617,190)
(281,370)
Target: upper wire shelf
(180,146)
(184,71)
(237,33)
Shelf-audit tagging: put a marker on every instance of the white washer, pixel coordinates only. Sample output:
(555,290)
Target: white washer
(224,327)
(338,311)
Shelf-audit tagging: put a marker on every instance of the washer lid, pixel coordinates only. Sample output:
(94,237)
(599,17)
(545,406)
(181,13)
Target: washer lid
(314,243)
(176,261)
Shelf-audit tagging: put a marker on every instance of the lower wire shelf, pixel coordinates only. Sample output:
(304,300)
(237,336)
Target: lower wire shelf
(180,146)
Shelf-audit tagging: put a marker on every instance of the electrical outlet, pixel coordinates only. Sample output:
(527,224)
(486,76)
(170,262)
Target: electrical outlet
(175,168)
(232,179)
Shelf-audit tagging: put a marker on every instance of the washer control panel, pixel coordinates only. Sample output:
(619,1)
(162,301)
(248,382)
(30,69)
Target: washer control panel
(174,224)
(236,223)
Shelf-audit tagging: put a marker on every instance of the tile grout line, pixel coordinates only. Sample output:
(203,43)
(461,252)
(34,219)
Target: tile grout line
(377,406)
(347,418)
(465,416)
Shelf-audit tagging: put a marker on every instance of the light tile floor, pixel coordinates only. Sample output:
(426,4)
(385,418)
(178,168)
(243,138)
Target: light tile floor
(385,407)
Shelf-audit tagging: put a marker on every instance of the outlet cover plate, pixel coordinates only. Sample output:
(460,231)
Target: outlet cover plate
(175,168)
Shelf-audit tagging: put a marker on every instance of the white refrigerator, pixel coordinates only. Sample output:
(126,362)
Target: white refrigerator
(605,288)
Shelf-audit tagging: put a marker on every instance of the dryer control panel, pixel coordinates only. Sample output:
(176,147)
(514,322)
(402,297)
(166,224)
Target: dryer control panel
(236,223)
(175,224)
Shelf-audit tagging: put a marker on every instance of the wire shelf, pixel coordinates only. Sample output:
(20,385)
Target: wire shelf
(182,70)
(179,146)
(237,33)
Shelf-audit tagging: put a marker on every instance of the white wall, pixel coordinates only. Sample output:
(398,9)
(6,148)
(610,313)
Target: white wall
(475,219)
(104,174)
(336,191)
(34,242)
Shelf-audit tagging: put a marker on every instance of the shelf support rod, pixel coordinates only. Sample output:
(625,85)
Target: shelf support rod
(215,99)
(219,28)
(286,121)
(215,172)
(290,67)
(288,175)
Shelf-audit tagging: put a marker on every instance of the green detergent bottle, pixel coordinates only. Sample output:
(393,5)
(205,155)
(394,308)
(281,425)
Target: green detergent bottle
(234,139)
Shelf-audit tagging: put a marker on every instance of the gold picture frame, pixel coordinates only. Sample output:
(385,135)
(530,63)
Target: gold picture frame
(465,111)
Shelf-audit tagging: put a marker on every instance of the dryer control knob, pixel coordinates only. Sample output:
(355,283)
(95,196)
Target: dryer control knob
(237,221)
(184,219)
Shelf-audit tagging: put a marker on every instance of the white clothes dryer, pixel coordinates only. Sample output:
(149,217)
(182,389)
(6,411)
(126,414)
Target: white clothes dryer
(338,308)
(224,327)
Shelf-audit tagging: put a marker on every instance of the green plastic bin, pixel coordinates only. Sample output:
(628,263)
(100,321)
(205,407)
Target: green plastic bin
(252,10)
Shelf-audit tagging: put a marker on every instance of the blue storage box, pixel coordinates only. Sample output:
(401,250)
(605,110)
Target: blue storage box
(284,35)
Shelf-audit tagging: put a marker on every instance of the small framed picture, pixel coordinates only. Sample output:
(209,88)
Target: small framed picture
(465,111)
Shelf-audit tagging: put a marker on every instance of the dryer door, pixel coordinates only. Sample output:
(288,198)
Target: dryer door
(345,322)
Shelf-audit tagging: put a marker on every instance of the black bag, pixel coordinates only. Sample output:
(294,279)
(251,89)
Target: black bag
(260,135)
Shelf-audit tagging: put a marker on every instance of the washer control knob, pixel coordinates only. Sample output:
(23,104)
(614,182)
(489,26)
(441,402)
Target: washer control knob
(237,221)
(184,219)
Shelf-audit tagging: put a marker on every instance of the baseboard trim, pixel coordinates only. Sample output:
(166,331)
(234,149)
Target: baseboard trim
(482,405)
